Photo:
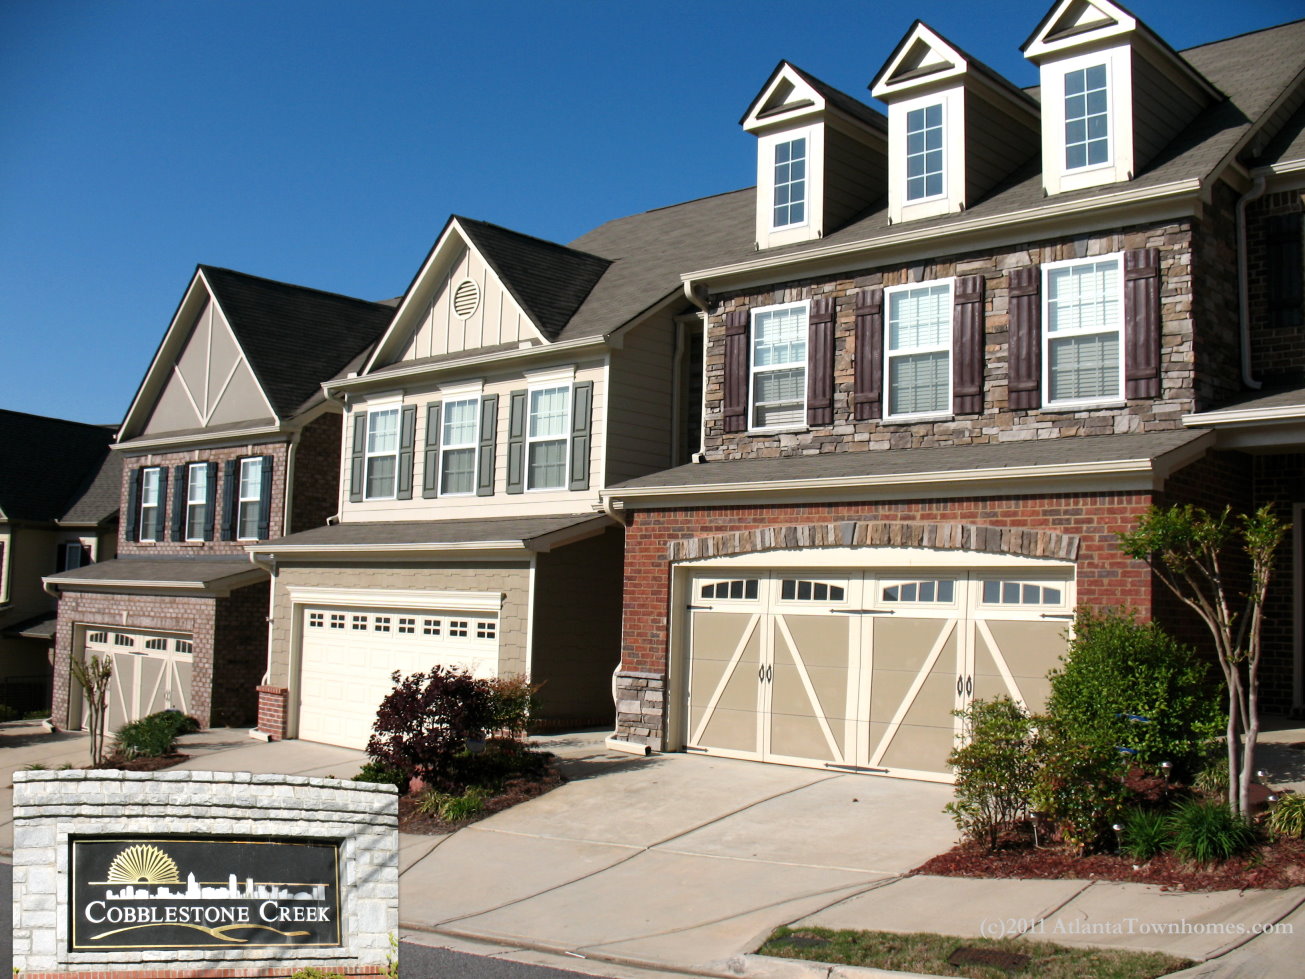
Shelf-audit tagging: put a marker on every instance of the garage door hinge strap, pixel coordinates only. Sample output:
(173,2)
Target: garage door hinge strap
(855,768)
(698,608)
(862,611)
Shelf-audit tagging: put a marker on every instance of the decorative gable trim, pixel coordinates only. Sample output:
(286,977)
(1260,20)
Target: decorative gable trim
(921,58)
(1073,23)
(786,98)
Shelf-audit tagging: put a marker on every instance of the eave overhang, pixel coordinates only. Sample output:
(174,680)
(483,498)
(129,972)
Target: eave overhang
(1281,427)
(217,588)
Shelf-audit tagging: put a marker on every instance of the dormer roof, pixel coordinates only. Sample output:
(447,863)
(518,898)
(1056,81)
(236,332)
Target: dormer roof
(791,94)
(924,58)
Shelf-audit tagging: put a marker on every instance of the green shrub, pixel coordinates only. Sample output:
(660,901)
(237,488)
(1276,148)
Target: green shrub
(378,771)
(1146,833)
(153,735)
(7,713)
(425,722)
(1287,816)
(511,703)
(1117,671)
(1212,778)
(1079,787)
(452,806)
(995,769)
(1208,831)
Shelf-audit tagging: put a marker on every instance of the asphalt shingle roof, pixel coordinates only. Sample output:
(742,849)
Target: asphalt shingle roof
(47,464)
(295,337)
(485,530)
(100,498)
(177,571)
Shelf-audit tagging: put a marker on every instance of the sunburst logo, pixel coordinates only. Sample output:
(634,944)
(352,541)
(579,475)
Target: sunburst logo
(143,865)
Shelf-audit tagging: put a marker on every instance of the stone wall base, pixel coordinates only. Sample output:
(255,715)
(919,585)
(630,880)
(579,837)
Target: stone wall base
(641,708)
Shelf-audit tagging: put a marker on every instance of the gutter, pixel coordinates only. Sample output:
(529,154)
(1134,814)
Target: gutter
(235,437)
(1243,283)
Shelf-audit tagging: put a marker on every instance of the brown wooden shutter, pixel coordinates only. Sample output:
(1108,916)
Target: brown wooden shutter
(1286,291)
(967,346)
(867,396)
(1025,338)
(820,362)
(736,370)
(1142,323)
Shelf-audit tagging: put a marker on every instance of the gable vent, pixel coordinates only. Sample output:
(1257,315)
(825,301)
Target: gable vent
(466,298)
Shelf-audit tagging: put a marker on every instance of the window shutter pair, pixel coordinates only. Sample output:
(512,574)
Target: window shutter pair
(403,464)
(581,440)
(1286,292)
(484,452)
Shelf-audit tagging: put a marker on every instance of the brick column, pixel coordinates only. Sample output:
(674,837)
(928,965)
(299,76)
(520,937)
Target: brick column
(272,702)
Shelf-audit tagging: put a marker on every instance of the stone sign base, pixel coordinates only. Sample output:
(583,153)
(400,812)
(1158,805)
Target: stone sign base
(164,875)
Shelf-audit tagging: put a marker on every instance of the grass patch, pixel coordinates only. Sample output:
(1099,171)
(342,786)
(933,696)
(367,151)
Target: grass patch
(930,954)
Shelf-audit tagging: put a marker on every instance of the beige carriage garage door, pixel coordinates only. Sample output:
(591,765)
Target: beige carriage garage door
(348,655)
(861,670)
(151,672)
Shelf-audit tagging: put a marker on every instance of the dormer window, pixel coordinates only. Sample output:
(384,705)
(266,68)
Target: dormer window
(1087,118)
(790,183)
(924,152)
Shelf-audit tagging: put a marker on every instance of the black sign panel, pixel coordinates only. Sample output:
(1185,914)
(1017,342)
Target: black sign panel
(201,892)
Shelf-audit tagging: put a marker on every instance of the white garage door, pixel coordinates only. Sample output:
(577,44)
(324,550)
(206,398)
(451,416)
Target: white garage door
(860,670)
(151,672)
(350,653)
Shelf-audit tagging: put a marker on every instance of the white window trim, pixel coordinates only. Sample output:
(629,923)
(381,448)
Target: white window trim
(241,499)
(535,386)
(889,353)
(806,182)
(157,505)
(368,455)
(1109,161)
(71,547)
(473,445)
(190,503)
(1045,299)
(805,306)
(907,108)
(1056,177)
(769,236)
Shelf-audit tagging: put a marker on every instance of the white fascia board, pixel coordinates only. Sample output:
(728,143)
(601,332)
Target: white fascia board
(465,551)
(241,436)
(471,601)
(1282,175)
(1281,428)
(1245,416)
(1179,198)
(397,378)
(219,588)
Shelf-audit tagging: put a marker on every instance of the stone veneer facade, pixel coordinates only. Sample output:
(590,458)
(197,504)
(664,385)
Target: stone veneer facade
(51,807)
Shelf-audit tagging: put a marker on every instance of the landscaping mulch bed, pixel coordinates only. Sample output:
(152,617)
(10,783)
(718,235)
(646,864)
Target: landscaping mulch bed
(516,790)
(145,763)
(1274,865)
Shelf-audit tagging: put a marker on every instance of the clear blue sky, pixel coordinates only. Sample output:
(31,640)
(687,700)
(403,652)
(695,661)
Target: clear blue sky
(326,142)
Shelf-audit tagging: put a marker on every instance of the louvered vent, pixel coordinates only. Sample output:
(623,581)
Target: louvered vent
(466,298)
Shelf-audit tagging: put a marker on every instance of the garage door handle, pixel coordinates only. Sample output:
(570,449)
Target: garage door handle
(960,685)
(770,674)
(1056,615)
(698,608)
(969,686)
(862,611)
(761,674)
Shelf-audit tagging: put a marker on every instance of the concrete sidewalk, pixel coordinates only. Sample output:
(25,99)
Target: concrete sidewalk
(684,864)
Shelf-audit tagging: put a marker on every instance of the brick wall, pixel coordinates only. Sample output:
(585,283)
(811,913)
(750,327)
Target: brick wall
(997,422)
(240,641)
(1214,305)
(273,707)
(316,491)
(277,450)
(1280,480)
(1278,353)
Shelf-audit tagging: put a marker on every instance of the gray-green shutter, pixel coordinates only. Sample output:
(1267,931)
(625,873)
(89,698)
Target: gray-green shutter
(582,410)
(180,493)
(210,500)
(230,493)
(358,457)
(265,499)
(488,436)
(430,480)
(162,526)
(407,445)
(516,458)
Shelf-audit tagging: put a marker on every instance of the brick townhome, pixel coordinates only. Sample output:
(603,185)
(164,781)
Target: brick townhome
(228,441)
(961,348)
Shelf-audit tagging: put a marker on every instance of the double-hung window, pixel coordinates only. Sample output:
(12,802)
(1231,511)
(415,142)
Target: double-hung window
(250,502)
(547,433)
(1087,117)
(1084,322)
(924,152)
(790,183)
(917,350)
(197,492)
(461,431)
(778,366)
(382,454)
(151,504)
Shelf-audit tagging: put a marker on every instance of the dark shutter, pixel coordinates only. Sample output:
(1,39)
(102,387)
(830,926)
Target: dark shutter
(131,521)
(85,556)
(230,495)
(1025,338)
(736,370)
(407,453)
(820,362)
(582,409)
(1142,323)
(61,557)
(488,436)
(1286,293)
(967,346)
(180,493)
(516,458)
(210,500)
(430,480)
(265,500)
(868,389)
(357,458)
(160,527)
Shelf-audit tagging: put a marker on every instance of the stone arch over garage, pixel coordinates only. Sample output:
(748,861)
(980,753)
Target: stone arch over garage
(876,533)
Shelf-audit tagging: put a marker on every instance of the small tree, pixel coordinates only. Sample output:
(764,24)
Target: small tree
(995,769)
(93,677)
(1188,548)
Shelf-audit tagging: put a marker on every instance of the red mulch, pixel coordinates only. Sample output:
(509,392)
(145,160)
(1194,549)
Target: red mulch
(150,763)
(516,789)
(1275,865)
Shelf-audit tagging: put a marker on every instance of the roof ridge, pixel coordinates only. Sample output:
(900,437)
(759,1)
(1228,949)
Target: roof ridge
(530,237)
(288,285)
(1234,37)
(108,427)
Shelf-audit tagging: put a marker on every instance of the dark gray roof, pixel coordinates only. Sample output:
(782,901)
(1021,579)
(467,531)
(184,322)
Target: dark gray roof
(100,498)
(46,464)
(37,627)
(485,530)
(203,570)
(549,281)
(913,462)
(295,337)
(1289,144)
(437,359)
(853,107)
(1283,397)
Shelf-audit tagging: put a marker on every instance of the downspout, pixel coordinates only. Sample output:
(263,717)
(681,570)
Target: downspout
(697,294)
(269,564)
(1243,275)
(342,399)
(290,454)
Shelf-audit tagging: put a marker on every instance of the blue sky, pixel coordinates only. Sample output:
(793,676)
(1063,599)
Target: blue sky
(326,142)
